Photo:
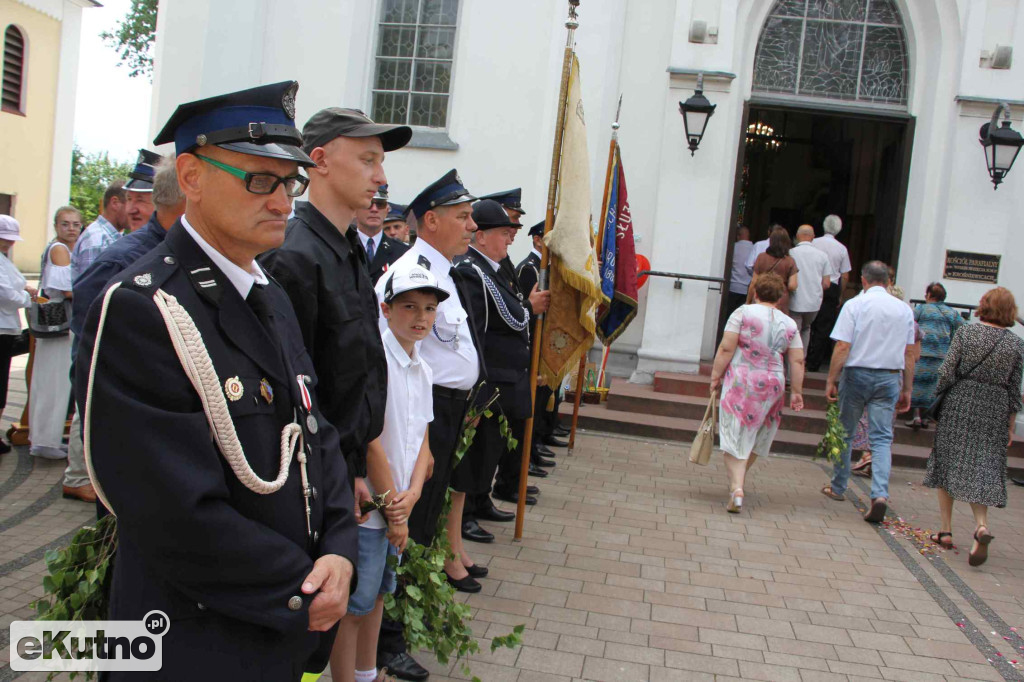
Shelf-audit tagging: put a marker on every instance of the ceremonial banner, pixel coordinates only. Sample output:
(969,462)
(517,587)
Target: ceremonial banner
(574,280)
(618,260)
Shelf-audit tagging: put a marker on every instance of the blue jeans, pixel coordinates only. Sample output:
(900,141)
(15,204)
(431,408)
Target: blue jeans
(877,391)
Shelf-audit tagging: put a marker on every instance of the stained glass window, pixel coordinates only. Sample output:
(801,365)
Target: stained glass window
(851,50)
(415,49)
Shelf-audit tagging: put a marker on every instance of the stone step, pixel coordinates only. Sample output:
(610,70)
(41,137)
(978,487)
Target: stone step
(696,384)
(650,424)
(627,397)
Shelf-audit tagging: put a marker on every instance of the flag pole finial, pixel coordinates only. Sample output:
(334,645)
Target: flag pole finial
(572,23)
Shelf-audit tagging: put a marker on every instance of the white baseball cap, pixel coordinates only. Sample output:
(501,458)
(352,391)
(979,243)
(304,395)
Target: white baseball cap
(414,277)
(9,229)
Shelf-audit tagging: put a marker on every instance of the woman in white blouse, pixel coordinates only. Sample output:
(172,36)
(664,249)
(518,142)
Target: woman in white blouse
(15,294)
(50,393)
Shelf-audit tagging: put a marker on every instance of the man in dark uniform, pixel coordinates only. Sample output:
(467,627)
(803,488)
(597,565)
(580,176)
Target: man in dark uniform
(381,250)
(395,225)
(322,266)
(235,517)
(502,322)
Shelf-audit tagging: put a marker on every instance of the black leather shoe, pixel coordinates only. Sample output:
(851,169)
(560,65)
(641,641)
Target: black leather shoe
(542,462)
(1017,481)
(532,490)
(402,666)
(513,497)
(467,584)
(542,450)
(561,431)
(555,442)
(5,447)
(477,571)
(492,513)
(472,531)
(535,471)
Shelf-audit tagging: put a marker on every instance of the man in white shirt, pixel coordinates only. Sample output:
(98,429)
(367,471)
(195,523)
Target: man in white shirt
(759,248)
(874,338)
(821,346)
(739,281)
(812,280)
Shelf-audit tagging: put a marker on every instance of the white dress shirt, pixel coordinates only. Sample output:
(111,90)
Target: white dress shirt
(494,264)
(241,279)
(456,368)
(878,327)
(739,281)
(837,254)
(813,266)
(13,297)
(376,239)
(759,248)
(408,410)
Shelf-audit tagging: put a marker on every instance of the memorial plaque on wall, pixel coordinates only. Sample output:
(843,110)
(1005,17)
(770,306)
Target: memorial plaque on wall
(971,267)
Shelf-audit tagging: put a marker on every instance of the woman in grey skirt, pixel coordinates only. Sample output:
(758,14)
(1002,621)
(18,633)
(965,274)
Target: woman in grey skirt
(981,378)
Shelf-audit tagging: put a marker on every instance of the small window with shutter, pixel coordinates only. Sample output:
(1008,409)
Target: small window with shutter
(13,91)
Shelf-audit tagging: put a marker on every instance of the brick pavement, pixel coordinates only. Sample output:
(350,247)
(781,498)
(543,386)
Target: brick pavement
(630,569)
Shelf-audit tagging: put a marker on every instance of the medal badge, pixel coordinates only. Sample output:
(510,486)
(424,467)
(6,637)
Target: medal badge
(234,389)
(267,391)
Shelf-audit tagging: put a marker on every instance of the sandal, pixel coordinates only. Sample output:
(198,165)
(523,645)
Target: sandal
(981,556)
(876,512)
(915,423)
(864,471)
(735,505)
(827,492)
(943,540)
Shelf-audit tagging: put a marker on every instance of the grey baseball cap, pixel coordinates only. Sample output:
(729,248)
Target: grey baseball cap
(327,124)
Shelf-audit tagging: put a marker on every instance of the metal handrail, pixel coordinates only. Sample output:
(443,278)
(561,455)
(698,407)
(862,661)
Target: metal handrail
(679,276)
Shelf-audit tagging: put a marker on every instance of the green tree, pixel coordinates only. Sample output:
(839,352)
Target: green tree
(90,175)
(133,38)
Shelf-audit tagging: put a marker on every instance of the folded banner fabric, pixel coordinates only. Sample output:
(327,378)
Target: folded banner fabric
(618,260)
(574,279)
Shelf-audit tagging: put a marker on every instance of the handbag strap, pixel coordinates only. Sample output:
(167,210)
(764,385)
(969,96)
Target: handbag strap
(987,355)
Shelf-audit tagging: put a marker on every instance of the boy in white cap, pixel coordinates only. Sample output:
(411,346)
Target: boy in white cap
(398,462)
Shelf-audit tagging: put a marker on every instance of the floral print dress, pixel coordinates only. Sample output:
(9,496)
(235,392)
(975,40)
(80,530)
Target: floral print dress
(754,385)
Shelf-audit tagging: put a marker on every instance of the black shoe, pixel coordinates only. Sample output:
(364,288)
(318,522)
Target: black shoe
(554,442)
(542,450)
(402,666)
(535,471)
(472,531)
(542,462)
(513,497)
(534,490)
(1017,481)
(5,447)
(477,571)
(467,584)
(561,431)
(492,513)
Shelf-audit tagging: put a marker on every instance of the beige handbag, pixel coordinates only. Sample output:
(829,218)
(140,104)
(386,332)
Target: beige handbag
(704,441)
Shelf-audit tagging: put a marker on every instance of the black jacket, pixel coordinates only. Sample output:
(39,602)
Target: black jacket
(221,561)
(528,272)
(385,256)
(324,273)
(505,350)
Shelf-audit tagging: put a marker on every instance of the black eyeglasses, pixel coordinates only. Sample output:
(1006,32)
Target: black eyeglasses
(263,183)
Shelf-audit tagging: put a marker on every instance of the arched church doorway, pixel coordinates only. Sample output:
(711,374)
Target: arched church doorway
(826,129)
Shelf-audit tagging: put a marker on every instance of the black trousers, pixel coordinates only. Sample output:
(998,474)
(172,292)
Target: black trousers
(544,421)
(508,464)
(819,351)
(733,302)
(6,351)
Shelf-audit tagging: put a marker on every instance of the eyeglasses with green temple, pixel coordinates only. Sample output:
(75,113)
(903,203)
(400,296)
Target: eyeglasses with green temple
(263,183)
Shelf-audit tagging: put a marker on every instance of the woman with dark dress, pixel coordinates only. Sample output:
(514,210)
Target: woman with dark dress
(981,376)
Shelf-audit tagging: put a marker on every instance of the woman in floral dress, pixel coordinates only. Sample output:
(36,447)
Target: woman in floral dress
(753,382)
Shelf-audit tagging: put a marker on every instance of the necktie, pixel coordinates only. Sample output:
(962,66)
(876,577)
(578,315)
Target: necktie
(260,306)
(369,250)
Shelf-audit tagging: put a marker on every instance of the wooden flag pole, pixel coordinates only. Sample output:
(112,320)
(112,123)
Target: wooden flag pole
(580,371)
(542,281)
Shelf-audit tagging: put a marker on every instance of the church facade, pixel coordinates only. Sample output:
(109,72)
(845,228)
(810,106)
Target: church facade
(869,109)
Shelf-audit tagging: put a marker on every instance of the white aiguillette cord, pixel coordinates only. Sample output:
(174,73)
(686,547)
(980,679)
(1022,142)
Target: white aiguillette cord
(195,360)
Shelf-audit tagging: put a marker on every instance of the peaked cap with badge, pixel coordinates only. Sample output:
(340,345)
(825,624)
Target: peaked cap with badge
(382,193)
(140,178)
(510,198)
(537,230)
(396,213)
(445,191)
(234,483)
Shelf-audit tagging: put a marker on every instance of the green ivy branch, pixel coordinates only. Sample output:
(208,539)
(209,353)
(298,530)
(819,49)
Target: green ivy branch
(425,602)
(834,440)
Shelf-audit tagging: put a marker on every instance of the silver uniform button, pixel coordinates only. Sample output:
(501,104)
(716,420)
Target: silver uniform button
(295,603)
(201,606)
(169,260)
(311,424)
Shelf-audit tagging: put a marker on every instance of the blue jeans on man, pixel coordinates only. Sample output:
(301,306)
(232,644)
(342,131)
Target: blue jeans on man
(877,391)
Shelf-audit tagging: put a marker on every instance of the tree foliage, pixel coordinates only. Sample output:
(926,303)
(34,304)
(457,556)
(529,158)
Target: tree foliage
(133,38)
(90,175)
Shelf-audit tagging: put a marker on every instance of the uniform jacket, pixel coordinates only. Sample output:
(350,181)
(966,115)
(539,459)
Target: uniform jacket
(220,560)
(324,273)
(112,261)
(505,351)
(385,256)
(528,271)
